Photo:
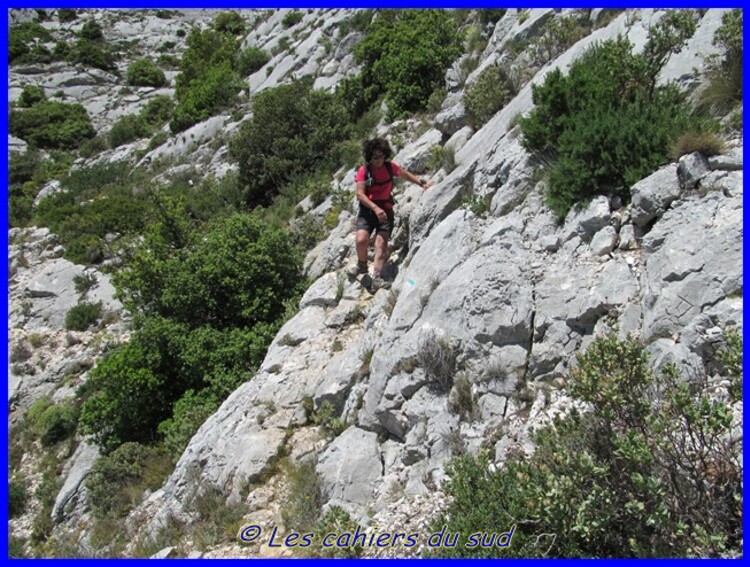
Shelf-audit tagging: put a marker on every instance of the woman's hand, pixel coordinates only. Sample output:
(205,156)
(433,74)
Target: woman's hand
(382,217)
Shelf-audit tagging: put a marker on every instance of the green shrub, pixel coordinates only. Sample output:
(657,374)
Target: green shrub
(491,16)
(52,125)
(91,31)
(93,54)
(724,71)
(57,423)
(157,110)
(229,22)
(26,43)
(128,128)
(607,131)
(405,54)
(189,413)
(326,417)
(65,15)
(31,95)
(208,81)
(648,470)
(492,90)
(118,481)
(336,520)
(82,316)
(143,73)
(84,282)
(292,18)
(93,146)
(251,60)
(209,305)
(18,496)
(314,123)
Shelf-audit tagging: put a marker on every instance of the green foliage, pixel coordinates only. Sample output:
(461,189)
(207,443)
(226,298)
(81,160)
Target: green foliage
(52,125)
(558,35)
(65,15)
(31,95)
(118,480)
(608,129)
(51,423)
(292,18)
(326,417)
(157,110)
(188,414)
(405,54)
(26,43)
(314,122)
(251,60)
(91,31)
(18,496)
(492,90)
(84,282)
(491,16)
(724,72)
(208,80)
(229,22)
(128,128)
(82,316)
(143,73)
(209,305)
(647,471)
(337,521)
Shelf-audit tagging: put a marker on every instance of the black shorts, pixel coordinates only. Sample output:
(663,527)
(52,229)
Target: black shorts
(368,220)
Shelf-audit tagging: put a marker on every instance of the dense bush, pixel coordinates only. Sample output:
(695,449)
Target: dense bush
(209,306)
(18,496)
(80,317)
(292,18)
(50,422)
(229,22)
(65,15)
(647,470)
(606,129)
(405,54)
(31,95)
(26,43)
(251,60)
(208,80)
(52,125)
(313,122)
(128,128)
(492,90)
(143,73)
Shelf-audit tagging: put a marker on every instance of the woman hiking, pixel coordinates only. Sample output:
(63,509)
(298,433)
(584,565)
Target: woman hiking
(374,187)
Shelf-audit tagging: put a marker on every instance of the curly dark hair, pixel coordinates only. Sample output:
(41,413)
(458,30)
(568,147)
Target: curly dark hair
(369,147)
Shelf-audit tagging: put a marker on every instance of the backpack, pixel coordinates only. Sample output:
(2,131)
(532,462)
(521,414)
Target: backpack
(370,180)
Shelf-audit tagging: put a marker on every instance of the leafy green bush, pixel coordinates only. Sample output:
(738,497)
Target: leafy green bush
(292,18)
(18,496)
(93,54)
(26,43)
(80,317)
(128,128)
(118,480)
(158,110)
(65,15)
(209,305)
(31,95)
(648,470)
(188,414)
(251,60)
(229,22)
(143,73)
(492,90)
(208,80)
(52,125)
(314,122)
(405,54)
(92,31)
(606,130)
(57,423)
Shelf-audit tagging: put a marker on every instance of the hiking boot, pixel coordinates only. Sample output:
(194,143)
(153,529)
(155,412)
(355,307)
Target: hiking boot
(379,283)
(357,269)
